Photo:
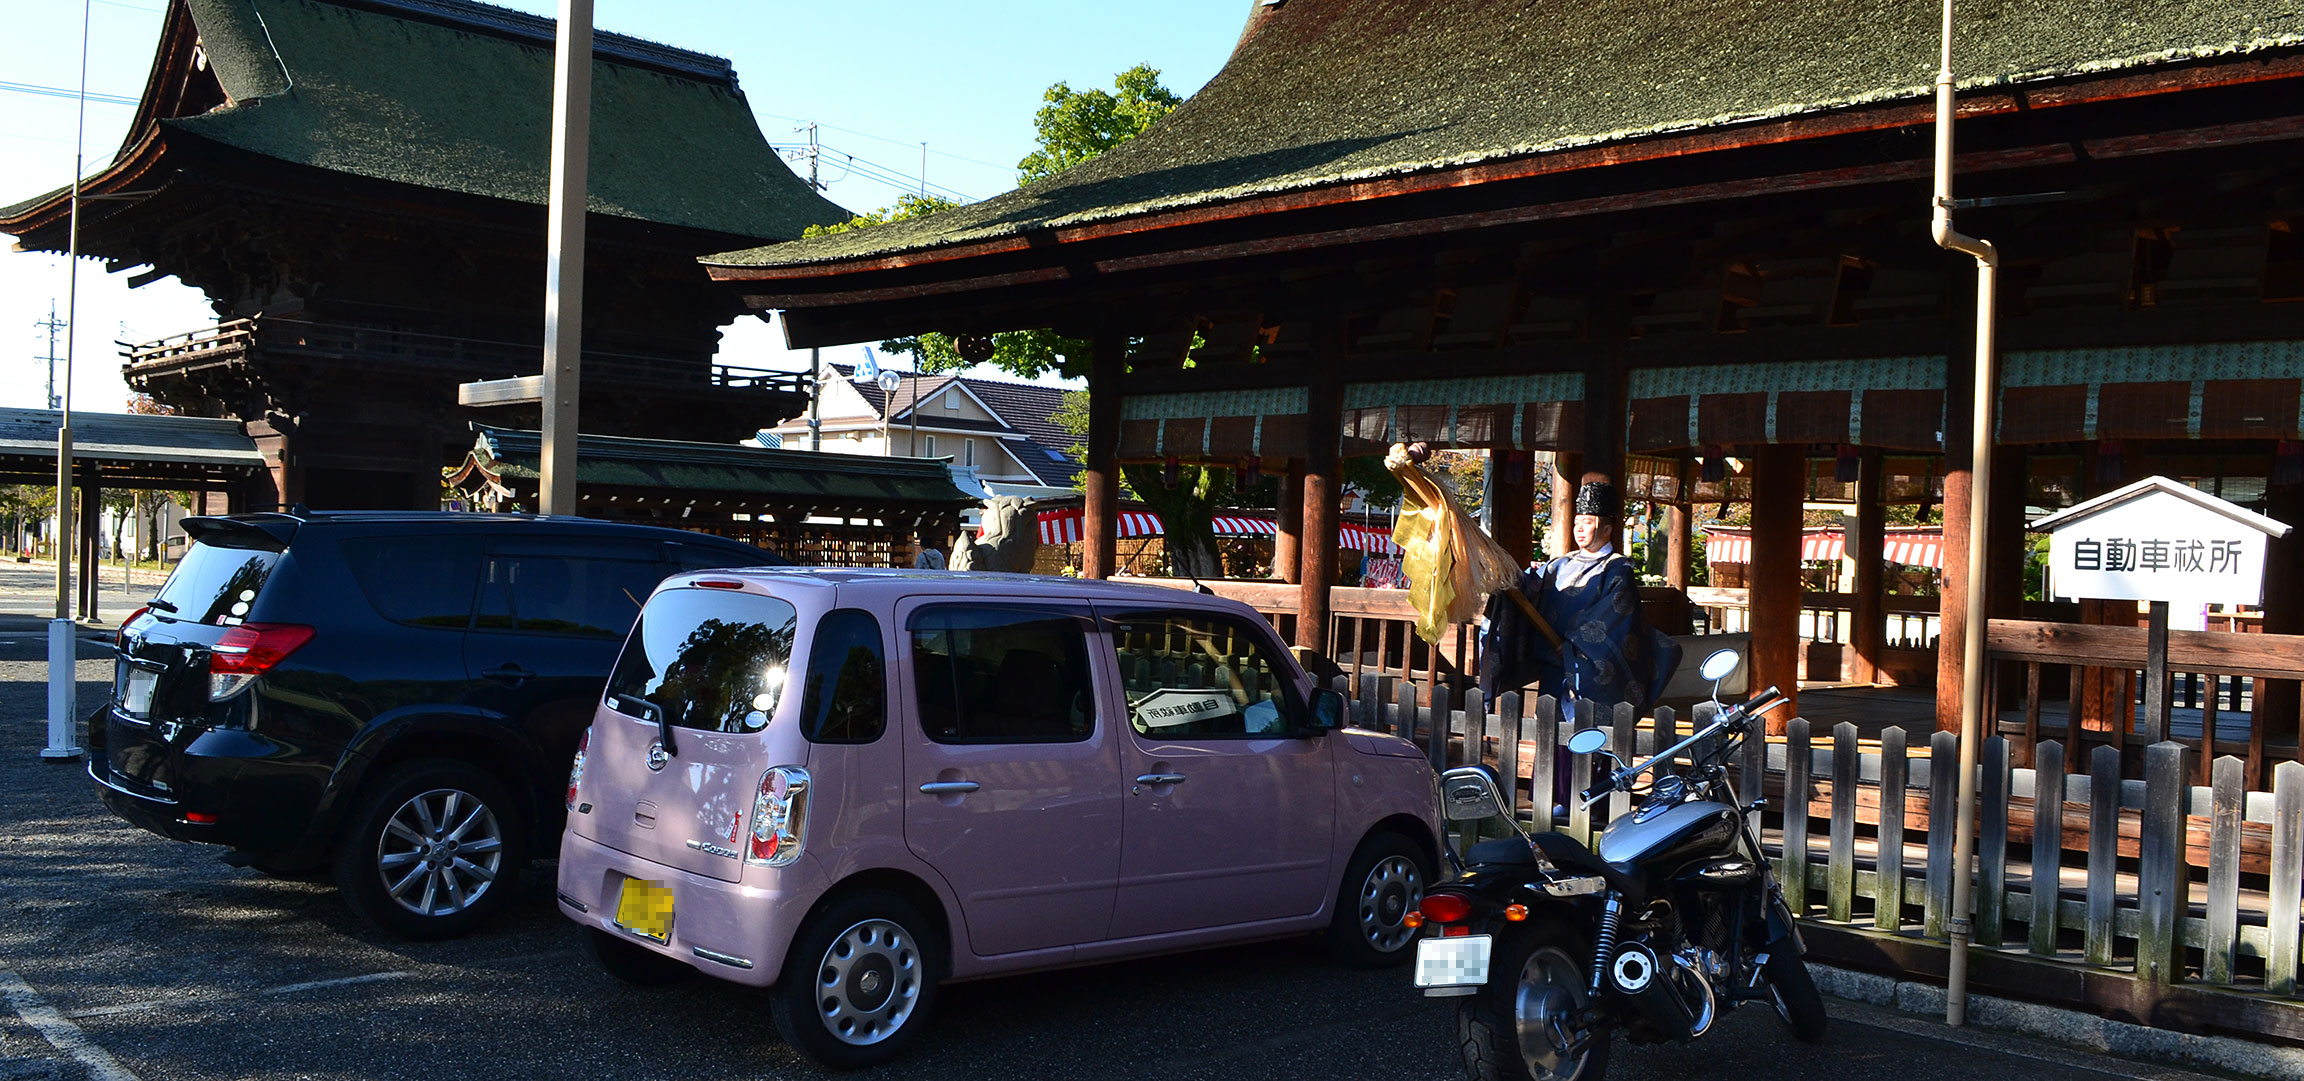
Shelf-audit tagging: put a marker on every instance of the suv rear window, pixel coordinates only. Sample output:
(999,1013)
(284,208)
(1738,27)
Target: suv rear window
(710,659)
(216,584)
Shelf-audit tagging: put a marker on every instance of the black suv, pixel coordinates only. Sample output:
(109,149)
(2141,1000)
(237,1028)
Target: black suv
(394,697)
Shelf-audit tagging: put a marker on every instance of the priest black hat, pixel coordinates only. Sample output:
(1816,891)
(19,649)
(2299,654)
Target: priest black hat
(1598,498)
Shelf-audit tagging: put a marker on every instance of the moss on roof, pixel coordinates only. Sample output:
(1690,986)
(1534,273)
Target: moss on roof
(375,92)
(1328,91)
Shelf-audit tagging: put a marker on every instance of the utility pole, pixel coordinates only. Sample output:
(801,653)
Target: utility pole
(63,648)
(564,266)
(815,354)
(52,325)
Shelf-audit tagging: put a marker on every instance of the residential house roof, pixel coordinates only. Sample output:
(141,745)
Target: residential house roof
(1026,412)
(1327,92)
(711,468)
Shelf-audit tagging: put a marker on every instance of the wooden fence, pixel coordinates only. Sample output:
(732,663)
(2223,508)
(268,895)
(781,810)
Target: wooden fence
(2173,882)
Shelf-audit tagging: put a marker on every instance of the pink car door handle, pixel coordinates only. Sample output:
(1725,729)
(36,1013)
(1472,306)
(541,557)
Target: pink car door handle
(1161,778)
(948,788)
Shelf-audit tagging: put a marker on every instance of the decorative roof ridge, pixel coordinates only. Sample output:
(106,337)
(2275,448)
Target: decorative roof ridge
(540,30)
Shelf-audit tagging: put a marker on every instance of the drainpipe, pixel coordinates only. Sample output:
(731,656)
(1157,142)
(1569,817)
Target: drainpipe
(1980,473)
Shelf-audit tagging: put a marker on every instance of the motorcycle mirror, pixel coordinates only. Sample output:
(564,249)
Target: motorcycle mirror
(1717,666)
(1588,741)
(1468,793)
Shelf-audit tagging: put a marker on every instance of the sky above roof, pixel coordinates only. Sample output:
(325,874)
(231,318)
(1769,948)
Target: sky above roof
(878,78)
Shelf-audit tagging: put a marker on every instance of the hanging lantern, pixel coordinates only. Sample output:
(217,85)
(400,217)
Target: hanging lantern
(1168,471)
(1844,468)
(2109,465)
(2288,463)
(974,348)
(1715,465)
(1251,472)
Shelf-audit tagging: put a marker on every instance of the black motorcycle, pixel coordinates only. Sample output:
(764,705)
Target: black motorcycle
(1675,921)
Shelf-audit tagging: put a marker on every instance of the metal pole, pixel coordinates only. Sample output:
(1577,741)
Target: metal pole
(1972,703)
(63,651)
(815,399)
(564,259)
(915,408)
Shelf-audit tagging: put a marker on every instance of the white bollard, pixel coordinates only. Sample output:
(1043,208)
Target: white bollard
(63,665)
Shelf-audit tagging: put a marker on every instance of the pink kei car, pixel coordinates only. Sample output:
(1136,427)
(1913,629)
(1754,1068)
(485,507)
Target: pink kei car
(854,785)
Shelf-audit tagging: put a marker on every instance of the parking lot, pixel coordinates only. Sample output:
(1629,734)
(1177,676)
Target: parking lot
(127,956)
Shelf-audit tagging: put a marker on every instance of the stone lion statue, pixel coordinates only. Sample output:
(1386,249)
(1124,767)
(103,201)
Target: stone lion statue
(1008,541)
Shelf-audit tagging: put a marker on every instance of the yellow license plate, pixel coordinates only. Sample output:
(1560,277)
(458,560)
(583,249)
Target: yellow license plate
(644,908)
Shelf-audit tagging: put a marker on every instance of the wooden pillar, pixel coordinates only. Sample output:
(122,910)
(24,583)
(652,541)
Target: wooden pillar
(91,514)
(1288,545)
(1513,489)
(1678,551)
(2276,700)
(1100,527)
(1323,432)
(1868,636)
(1779,480)
(1567,474)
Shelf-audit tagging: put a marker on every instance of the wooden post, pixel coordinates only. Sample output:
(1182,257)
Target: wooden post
(2277,705)
(2163,883)
(1543,763)
(1840,872)
(1776,587)
(1508,748)
(1567,473)
(2286,882)
(1100,531)
(2156,675)
(1288,545)
(1323,433)
(1959,495)
(1679,552)
(1868,636)
(1943,786)
(2103,852)
(1513,490)
(2047,846)
(1888,885)
(2226,809)
(1993,789)
(1792,872)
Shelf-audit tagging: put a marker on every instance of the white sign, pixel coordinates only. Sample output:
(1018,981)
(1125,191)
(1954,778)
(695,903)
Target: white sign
(2159,540)
(1170,708)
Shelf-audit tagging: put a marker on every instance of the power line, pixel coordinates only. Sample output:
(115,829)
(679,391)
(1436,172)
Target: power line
(877,172)
(63,92)
(906,143)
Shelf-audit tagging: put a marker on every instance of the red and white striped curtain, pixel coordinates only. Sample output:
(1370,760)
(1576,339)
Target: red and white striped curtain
(1909,549)
(1065,525)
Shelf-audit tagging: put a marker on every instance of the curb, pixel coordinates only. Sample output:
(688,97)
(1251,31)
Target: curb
(2071,1028)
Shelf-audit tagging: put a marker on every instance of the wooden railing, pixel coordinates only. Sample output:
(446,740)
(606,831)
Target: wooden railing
(2102,669)
(2169,882)
(1911,621)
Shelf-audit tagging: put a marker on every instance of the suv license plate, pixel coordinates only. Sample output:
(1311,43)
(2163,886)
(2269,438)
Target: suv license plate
(136,691)
(1452,962)
(644,907)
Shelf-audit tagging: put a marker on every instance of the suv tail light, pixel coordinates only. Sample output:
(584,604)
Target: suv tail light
(576,768)
(779,816)
(247,651)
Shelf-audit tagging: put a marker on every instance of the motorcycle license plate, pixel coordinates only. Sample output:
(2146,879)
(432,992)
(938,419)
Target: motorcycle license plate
(1452,962)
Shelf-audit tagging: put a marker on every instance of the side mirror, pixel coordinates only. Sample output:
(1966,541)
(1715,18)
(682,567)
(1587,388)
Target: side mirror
(1717,666)
(1588,741)
(1327,710)
(1469,793)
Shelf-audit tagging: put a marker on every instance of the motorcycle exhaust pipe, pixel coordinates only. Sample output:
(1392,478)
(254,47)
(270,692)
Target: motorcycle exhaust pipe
(1637,976)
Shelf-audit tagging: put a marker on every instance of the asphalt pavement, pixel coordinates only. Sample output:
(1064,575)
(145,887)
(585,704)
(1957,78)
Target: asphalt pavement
(128,957)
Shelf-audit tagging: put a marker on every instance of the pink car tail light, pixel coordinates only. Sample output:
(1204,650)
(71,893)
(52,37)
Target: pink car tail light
(779,816)
(576,767)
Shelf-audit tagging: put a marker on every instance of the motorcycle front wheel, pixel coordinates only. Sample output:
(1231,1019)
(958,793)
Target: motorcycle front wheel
(1797,1000)
(1521,1026)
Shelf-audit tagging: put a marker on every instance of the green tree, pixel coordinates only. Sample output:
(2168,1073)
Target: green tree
(1078,125)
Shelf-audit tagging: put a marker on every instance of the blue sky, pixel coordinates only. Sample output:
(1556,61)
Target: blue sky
(878,79)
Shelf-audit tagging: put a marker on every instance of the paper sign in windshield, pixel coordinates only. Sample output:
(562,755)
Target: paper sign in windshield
(1170,708)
